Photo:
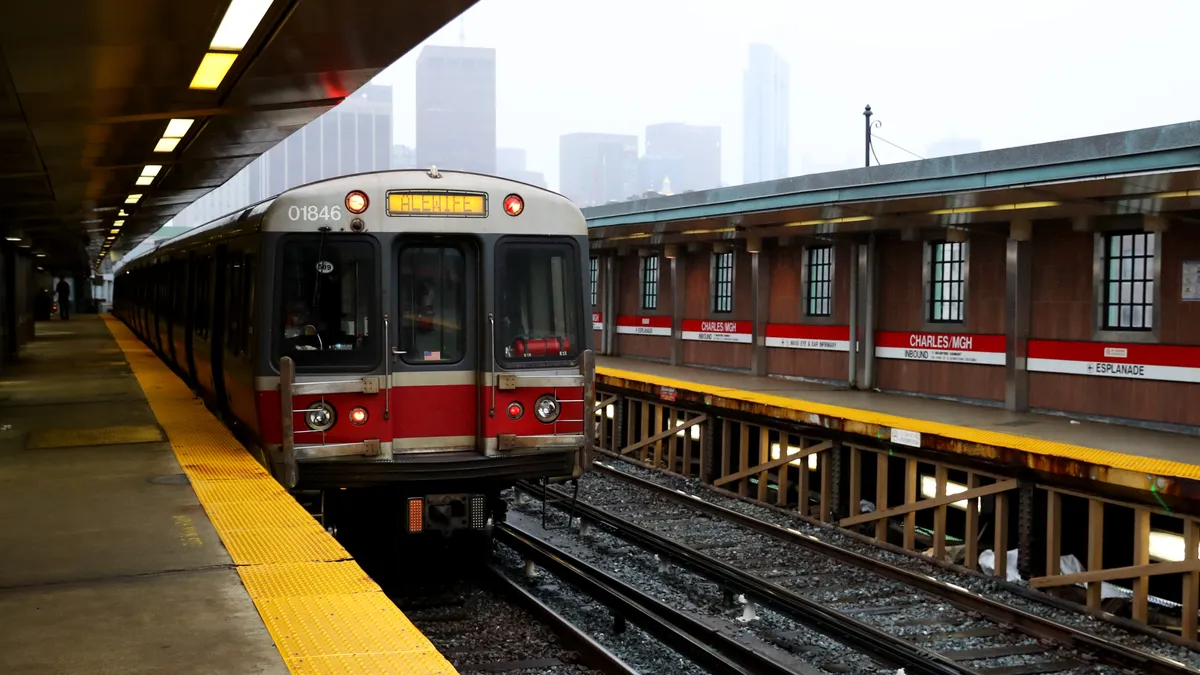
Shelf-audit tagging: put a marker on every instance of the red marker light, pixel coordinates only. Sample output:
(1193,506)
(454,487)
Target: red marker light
(515,410)
(358,417)
(514,205)
(357,202)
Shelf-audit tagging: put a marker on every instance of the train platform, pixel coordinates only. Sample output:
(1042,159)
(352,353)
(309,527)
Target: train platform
(139,536)
(1124,456)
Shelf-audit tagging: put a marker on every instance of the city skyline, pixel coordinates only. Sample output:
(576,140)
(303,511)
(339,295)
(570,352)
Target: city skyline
(766,87)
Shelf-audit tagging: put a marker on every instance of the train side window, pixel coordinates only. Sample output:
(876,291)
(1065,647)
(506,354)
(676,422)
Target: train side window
(433,304)
(234,310)
(248,304)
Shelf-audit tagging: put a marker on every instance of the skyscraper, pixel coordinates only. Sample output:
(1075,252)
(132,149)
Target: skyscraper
(766,138)
(597,168)
(456,108)
(689,155)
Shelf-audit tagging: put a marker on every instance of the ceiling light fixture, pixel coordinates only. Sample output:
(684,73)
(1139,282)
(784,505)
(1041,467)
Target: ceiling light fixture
(133,199)
(213,68)
(242,17)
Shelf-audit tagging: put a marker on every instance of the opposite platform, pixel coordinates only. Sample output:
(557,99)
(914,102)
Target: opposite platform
(1120,455)
(110,562)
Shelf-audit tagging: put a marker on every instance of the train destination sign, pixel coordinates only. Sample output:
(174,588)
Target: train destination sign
(985,350)
(644,325)
(462,204)
(718,331)
(1171,363)
(797,336)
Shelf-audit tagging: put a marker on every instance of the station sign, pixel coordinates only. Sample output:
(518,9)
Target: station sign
(1170,363)
(597,320)
(797,336)
(644,325)
(987,350)
(718,331)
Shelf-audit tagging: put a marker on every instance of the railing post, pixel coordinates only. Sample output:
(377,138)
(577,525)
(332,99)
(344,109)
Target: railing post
(287,376)
(588,366)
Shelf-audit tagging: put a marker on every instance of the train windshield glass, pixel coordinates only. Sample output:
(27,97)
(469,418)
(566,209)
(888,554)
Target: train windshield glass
(328,301)
(538,298)
(433,304)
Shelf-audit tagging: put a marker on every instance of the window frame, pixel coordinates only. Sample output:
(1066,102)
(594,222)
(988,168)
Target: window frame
(714,283)
(375,315)
(467,309)
(642,294)
(1099,287)
(594,280)
(584,325)
(806,283)
(927,282)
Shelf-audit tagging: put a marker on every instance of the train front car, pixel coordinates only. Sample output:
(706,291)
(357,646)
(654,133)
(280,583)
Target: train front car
(427,342)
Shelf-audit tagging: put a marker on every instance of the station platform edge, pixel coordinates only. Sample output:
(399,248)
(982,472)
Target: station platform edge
(1121,465)
(323,612)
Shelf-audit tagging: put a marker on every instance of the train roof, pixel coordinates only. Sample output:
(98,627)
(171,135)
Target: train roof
(375,180)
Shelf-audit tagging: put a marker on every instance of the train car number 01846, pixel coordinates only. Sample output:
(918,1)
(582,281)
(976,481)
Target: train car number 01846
(312,212)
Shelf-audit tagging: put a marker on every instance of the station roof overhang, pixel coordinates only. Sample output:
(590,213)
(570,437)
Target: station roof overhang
(1144,172)
(88,89)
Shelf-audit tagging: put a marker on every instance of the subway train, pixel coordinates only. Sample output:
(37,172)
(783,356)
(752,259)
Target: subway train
(418,335)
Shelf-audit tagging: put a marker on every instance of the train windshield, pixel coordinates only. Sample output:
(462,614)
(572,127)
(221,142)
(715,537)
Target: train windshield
(538,302)
(328,301)
(433,304)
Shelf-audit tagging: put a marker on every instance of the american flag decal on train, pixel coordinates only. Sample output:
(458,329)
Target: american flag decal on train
(433,356)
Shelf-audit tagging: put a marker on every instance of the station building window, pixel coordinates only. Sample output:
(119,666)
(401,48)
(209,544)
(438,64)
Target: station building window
(723,282)
(818,281)
(1128,290)
(650,282)
(946,284)
(594,278)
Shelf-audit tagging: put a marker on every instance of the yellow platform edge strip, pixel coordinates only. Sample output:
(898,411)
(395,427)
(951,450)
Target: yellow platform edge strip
(1116,460)
(321,609)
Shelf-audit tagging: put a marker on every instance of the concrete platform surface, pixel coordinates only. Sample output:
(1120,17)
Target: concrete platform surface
(108,563)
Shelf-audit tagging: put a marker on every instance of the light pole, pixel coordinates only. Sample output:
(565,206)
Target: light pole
(867,114)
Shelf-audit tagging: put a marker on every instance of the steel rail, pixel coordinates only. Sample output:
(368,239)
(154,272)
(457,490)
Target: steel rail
(867,639)
(700,643)
(592,653)
(1026,622)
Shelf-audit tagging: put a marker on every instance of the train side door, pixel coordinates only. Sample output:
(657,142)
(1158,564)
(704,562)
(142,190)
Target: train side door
(435,347)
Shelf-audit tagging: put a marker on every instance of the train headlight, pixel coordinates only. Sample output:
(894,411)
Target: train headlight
(358,417)
(357,202)
(546,409)
(320,416)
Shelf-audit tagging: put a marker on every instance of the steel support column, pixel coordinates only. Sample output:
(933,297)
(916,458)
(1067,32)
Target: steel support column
(868,278)
(677,297)
(1017,315)
(852,376)
(759,278)
(611,283)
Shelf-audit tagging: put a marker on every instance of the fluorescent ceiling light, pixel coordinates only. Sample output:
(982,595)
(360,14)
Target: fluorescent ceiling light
(118,223)
(132,199)
(242,17)
(122,213)
(114,232)
(152,170)
(143,180)
(178,128)
(41,255)
(13,238)
(212,70)
(166,145)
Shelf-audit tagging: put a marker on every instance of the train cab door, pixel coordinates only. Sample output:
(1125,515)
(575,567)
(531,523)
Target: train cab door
(435,344)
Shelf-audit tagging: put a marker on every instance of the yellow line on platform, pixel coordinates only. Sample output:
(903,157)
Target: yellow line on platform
(324,613)
(1116,460)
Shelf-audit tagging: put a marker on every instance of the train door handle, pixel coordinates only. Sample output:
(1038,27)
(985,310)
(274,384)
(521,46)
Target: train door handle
(398,352)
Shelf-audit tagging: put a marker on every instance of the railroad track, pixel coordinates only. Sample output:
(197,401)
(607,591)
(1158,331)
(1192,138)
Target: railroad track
(902,618)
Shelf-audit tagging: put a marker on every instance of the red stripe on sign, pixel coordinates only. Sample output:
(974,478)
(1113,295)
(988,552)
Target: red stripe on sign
(954,342)
(802,332)
(1109,352)
(648,321)
(705,326)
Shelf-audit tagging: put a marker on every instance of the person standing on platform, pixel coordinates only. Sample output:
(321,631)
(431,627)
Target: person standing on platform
(64,296)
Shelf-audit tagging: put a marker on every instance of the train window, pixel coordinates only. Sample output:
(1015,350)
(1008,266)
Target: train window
(433,304)
(539,302)
(233,337)
(248,305)
(328,286)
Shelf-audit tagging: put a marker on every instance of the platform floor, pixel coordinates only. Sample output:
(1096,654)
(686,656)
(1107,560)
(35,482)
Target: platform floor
(1124,447)
(124,552)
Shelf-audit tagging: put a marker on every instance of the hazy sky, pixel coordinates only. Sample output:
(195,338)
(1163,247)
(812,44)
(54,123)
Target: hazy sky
(1006,73)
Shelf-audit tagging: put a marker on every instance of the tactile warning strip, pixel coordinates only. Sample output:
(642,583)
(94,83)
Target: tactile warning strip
(77,438)
(1147,465)
(324,613)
